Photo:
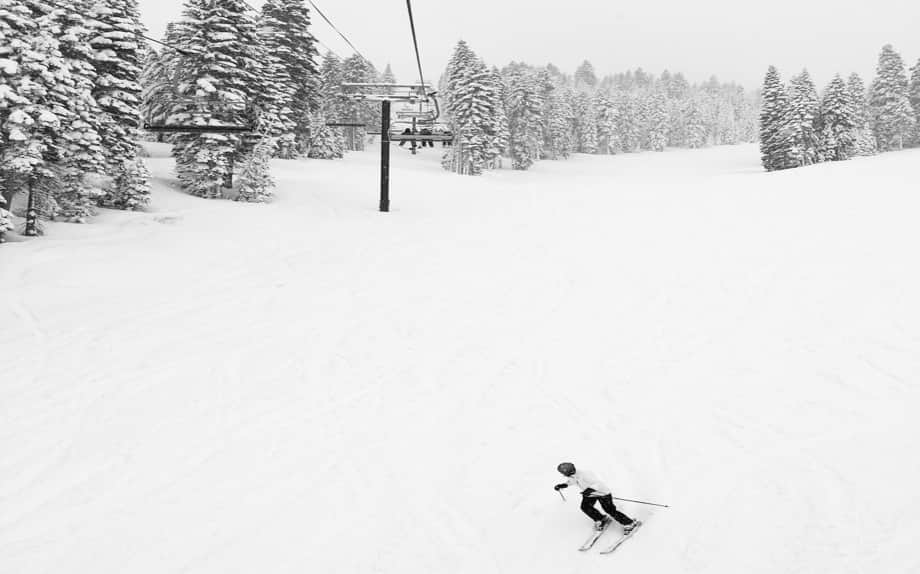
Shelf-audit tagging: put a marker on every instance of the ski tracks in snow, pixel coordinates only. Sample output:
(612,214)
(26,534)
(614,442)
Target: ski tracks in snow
(321,384)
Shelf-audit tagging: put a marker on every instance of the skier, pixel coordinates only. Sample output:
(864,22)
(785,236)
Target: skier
(426,132)
(408,132)
(593,491)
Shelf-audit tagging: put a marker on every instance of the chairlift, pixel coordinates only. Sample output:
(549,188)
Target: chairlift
(379,91)
(400,137)
(423,116)
(427,113)
(420,94)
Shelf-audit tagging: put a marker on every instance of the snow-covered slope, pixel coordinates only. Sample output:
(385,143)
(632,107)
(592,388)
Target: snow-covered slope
(313,386)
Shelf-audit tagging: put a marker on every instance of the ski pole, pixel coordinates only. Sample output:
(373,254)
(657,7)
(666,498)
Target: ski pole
(642,502)
(562,495)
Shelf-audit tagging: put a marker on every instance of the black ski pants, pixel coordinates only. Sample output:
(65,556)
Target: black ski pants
(587,506)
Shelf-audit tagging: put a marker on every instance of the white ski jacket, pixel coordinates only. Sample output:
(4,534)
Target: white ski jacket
(585,479)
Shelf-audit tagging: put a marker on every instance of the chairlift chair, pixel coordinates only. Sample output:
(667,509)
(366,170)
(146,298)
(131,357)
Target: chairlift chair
(233,117)
(429,111)
(409,93)
(378,92)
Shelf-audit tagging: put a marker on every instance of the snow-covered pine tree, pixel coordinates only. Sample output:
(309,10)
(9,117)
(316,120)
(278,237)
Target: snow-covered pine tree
(388,76)
(562,123)
(630,121)
(746,116)
(276,97)
(607,141)
(773,113)
(642,80)
(285,29)
(331,79)
(467,101)
(326,142)
(890,113)
(356,69)
(219,72)
(159,80)
(555,74)
(731,114)
(837,122)
(678,87)
(33,78)
(913,94)
(656,118)
(546,86)
(677,125)
(863,138)
(78,147)
(331,109)
(695,122)
(606,85)
(585,122)
(118,92)
(524,107)
(708,99)
(558,115)
(18,112)
(857,89)
(150,68)
(801,115)
(498,131)
(6,219)
(585,78)
(663,82)
(256,183)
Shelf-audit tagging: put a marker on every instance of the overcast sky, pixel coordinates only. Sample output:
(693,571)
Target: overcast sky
(734,39)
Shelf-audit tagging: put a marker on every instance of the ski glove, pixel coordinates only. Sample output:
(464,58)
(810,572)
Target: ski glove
(589,492)
(560,486)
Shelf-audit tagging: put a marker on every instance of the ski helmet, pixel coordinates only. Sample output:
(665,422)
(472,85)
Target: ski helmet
(566,468)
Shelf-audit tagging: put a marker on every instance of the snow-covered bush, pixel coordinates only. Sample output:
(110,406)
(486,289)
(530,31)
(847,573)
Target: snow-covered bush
(131,190)
(325,142)
(256,183)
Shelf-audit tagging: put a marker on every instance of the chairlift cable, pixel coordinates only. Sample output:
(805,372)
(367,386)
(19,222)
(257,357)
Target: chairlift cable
(315,39)
(418,58)
(347,41)
(327,48)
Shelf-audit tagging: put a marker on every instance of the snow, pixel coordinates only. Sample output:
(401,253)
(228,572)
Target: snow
(16,134)
(205,85)
(48,117)
(8,66)
(313,386)
(19,117)
(7,93)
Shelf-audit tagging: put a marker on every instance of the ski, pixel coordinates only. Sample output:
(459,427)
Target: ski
(622,539)
(594,537)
